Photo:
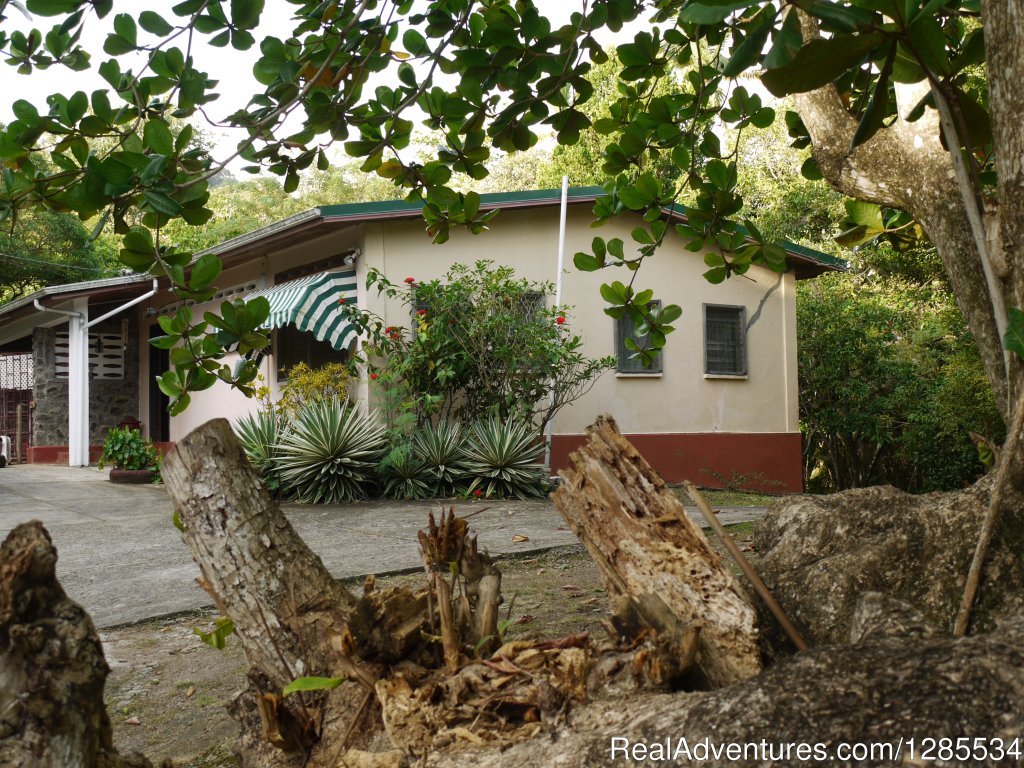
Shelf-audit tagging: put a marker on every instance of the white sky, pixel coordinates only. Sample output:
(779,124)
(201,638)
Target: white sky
(232,68)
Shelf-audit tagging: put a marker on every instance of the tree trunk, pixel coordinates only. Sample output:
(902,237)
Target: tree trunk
(818,554)
(652,556)
(292,618)
(52,669)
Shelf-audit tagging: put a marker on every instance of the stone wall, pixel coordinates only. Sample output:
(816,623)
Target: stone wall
(110,400)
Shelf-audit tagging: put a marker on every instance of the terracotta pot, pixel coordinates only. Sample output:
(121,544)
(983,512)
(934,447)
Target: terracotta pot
(135,476)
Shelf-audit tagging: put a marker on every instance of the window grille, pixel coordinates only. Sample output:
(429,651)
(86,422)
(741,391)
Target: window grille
(725,340)
(625,328)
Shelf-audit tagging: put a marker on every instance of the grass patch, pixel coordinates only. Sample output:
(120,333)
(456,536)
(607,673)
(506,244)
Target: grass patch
(722,498)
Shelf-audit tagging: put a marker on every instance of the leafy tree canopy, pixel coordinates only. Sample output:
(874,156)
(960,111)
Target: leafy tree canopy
(364,74)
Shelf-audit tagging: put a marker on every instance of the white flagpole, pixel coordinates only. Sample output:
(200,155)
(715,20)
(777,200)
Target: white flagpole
(558,303)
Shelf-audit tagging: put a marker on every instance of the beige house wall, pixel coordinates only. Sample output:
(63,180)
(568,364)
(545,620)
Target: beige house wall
(681,400)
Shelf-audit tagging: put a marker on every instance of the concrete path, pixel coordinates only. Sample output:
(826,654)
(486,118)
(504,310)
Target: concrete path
(120,556)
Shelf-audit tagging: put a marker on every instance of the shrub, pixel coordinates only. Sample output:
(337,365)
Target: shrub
(404,474)
(482,341)
(329,452)
(306,386)
(126,448)
(440,448)
(500,457)
(259,434)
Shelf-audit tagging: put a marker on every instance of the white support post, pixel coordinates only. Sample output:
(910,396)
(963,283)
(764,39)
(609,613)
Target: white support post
(78,385)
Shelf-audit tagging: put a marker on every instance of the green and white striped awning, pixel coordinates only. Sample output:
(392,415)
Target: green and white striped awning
(312,304)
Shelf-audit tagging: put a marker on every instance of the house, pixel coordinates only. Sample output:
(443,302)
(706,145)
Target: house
(720,403)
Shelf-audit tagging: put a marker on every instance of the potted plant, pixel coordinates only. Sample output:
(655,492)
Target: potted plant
(134,458)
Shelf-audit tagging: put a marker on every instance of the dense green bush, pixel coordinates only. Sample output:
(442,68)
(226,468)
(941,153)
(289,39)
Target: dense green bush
(126,448)
(890,385)
(480,341)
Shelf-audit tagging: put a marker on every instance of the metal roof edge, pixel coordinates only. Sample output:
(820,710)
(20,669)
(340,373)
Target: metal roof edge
(86,285)
(264,231)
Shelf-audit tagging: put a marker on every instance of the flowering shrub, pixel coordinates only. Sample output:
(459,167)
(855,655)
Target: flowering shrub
(482,342)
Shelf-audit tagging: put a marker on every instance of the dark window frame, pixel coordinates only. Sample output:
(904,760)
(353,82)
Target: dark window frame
(738,367)
(314,355)
(625,364)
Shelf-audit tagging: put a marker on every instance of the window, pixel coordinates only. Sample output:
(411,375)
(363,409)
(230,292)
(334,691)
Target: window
(295,346)
(625,328)
(725,341)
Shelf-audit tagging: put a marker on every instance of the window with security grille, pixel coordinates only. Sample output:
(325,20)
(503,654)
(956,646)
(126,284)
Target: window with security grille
(725,351)
(627,360)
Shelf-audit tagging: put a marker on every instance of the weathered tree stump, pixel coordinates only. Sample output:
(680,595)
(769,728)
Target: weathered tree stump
(653,558)
(52,669)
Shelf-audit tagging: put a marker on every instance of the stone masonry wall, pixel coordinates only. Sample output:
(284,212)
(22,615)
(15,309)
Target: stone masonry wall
(110,400)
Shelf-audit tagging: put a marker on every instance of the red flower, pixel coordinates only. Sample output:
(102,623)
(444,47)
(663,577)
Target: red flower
(560,319)
(421,312)
(410,280)
(373,376)
(478,493)
(341,300)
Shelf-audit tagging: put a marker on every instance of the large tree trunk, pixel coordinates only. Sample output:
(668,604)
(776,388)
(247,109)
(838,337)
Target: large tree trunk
(819,554)
(52,669)
(905,166)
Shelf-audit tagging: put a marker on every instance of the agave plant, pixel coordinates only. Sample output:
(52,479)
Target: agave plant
(501,457)
(329,452)
(440,449)
(404,474)
(259,434)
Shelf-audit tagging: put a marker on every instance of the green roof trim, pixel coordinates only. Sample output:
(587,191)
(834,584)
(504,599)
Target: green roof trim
(489,200)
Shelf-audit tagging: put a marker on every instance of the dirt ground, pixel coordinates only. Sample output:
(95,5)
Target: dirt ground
(167,691)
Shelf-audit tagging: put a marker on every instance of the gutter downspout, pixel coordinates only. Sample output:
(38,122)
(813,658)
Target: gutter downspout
(78,371)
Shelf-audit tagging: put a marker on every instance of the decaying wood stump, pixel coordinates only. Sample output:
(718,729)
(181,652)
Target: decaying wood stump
(656,564)
(52,669)
(877,692)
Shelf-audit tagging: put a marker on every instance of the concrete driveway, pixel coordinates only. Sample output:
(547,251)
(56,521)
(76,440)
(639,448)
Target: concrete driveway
(120,556)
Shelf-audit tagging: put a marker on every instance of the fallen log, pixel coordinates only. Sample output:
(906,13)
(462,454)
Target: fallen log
(655,563)
(52,669)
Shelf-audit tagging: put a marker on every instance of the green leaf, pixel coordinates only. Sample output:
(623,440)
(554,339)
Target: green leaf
(584,262)
(154,24)
(205,271)
(223,627)
(176,519)
(1014,338)
(748,51)
(245,14)
(786,44)
(312,683)
(157,137)
(414,42)
(878,106)
(820,62)
(712,11)
(810,170)
(161,202)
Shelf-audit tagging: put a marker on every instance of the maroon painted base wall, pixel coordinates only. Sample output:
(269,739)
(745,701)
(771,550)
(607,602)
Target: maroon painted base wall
(769,461)
(58,454)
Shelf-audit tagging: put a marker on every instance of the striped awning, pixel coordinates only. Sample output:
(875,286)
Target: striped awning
(312,304)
